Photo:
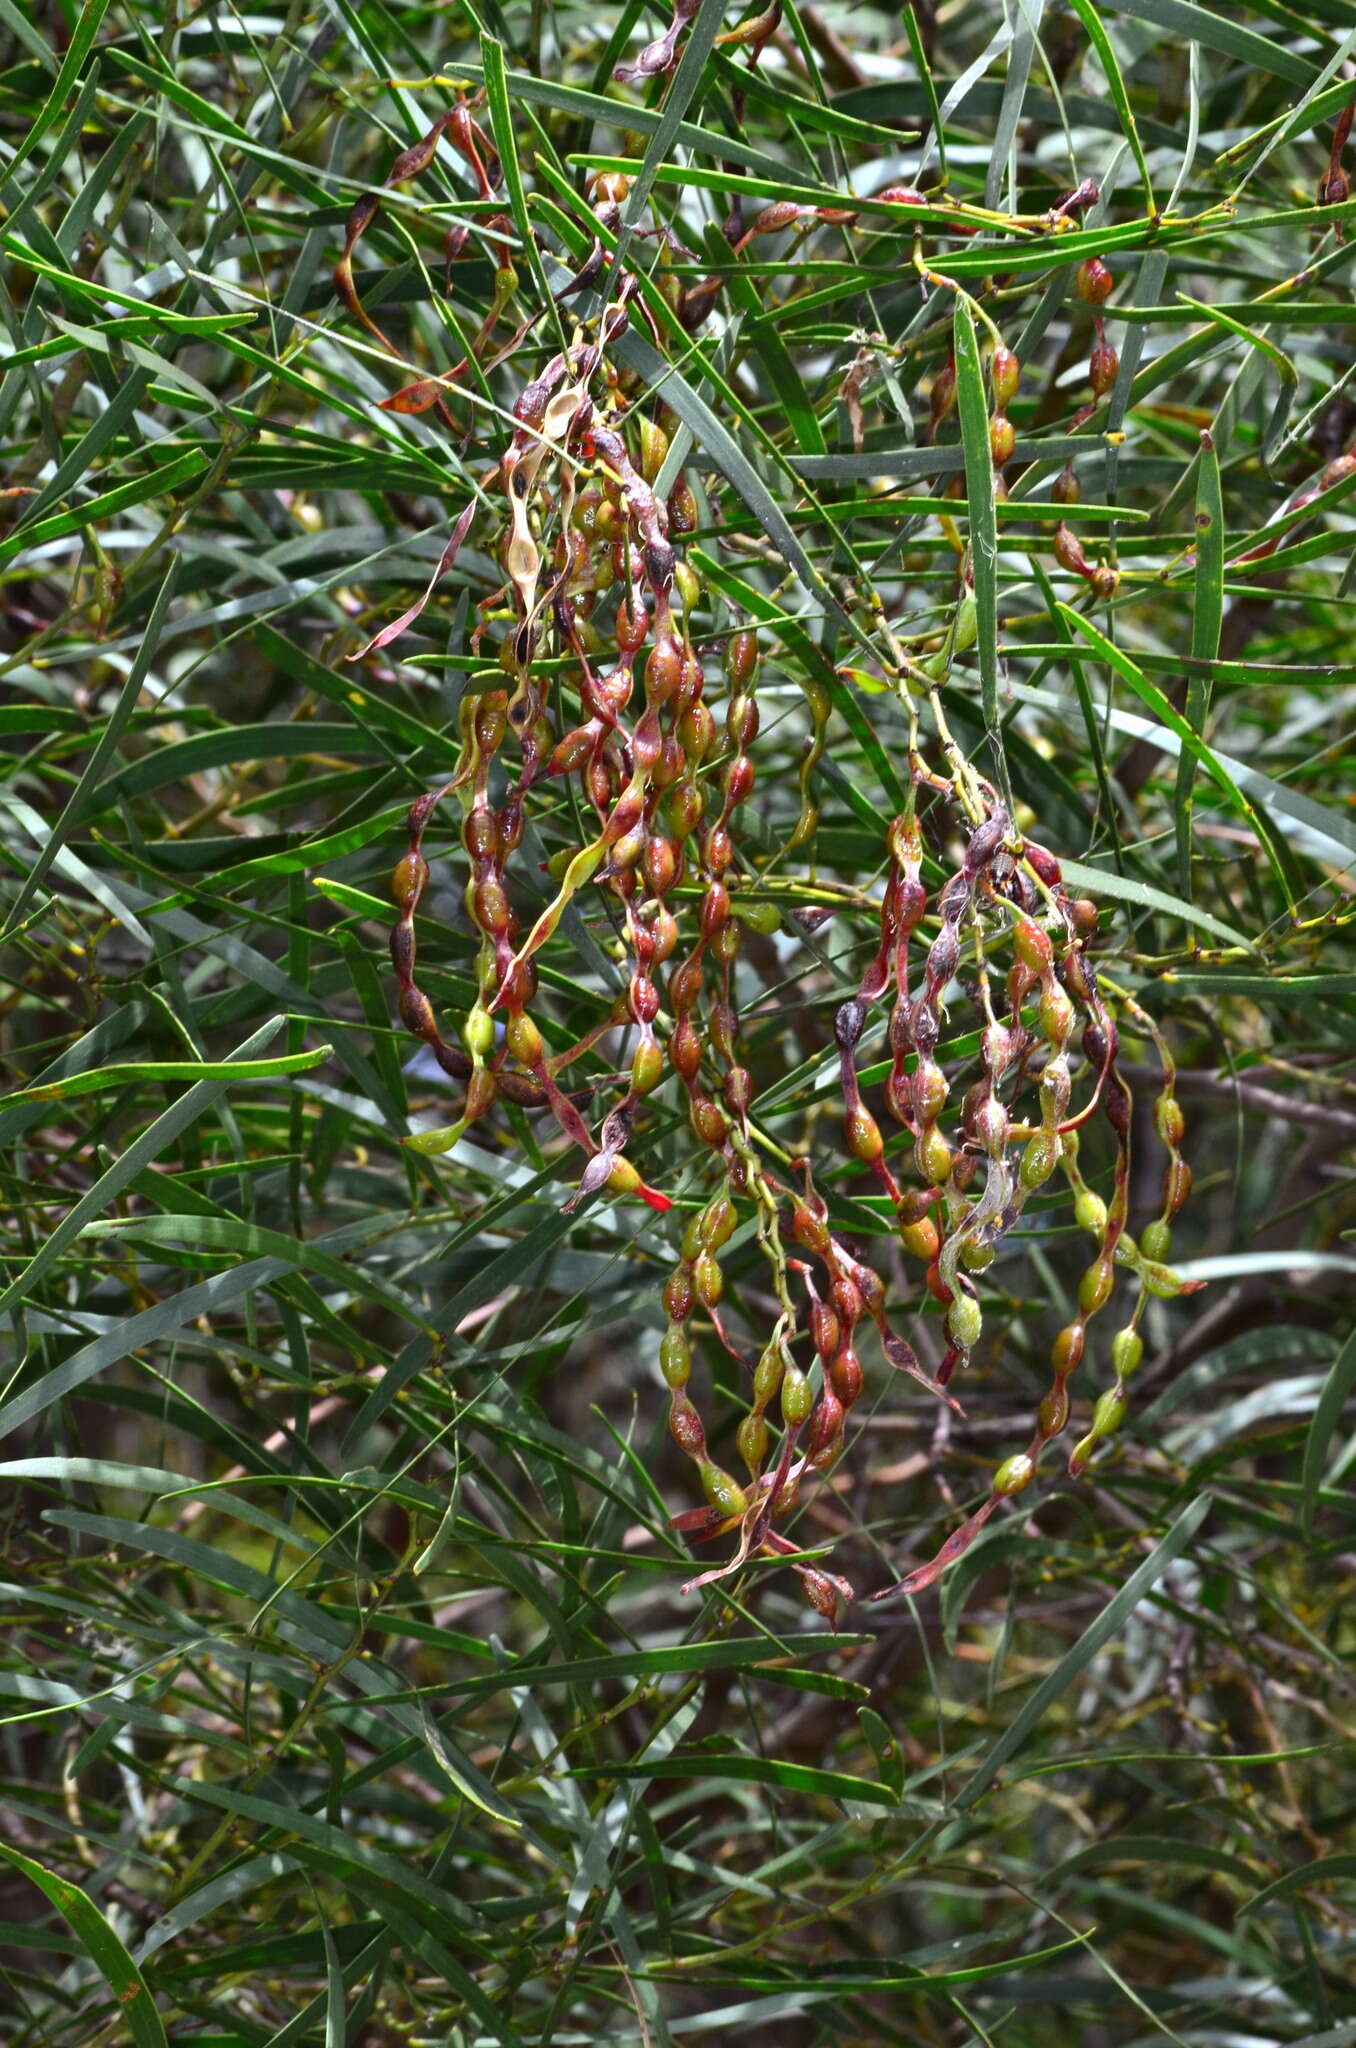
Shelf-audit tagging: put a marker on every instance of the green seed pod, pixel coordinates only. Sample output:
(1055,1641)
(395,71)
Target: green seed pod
(647,1068)
(718,1223)
(693,1244)
(964,1321)
(1127,1351)
(524,1039)
(967,622)
(478,1033)
(1161,1281)
(1094,1289)
(724,1493)
(1039,1160)
(1108,1414)
(708,1282)
(1155,1240)
(934,1157)
(1169,1122)
(751,1441)
(759,917)
(767,1374)
(1090,1211)
(675,1357)
(1014,1473)
(797,1396)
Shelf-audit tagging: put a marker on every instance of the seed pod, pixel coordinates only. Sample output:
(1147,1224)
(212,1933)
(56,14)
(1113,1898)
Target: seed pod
(846,1376)
(964,1322)
(708,1120)
(1053,1413)
(725,1494)
(678,1293)
(1066,489)
(1093,281)
(1102,368)
(1155,1240)
(1127,1352)
(1013,1474)
(409,881)
(1005,374)
(1066,1353)
(797,1396)
(675,1357)
(686,1426)
(1094,1289)
(741,658)
(934,1157)
(942,400)
(523,1039)
(647,1068)
(1039,1160)
(1002,439)
(862,1132)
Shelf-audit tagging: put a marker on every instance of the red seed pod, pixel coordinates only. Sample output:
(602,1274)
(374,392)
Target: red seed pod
(1044,865)
(490,719)
(685,986)
(519,985)
(708,1120)
(492,911)
(718,849)
(1083,915)
(739,780)
(1102,368)
(1066,1353)
(683,510)
(416,1013)
(1053,1413)
(660,863)
(678,1294)
(664,929)
(402,951)
(826,1428)
(598,777)
(632,624)
(809,1230)
(644,999)
(722,1024)
(1066,489)
(670,765)
(845,1376)
(737,1089)
(685,1050)
(409,881)
(741,658)
(1005,374)
(480,1093)
(742,721)
(685,806)
(1068,552)
(847,1301)
(825,1330)
(663,669)
(1002,439)
(1176,1187)
(715,909)
(1093,281)
(686,1426)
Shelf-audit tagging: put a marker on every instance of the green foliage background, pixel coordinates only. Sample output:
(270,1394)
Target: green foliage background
(349,1693)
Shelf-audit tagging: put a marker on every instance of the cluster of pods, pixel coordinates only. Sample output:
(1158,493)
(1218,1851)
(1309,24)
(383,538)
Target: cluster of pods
(625,703)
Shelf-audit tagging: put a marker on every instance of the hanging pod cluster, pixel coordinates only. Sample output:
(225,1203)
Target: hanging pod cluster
(612,707)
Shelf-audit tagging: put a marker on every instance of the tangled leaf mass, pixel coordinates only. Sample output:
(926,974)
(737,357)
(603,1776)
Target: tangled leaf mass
(613,699)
